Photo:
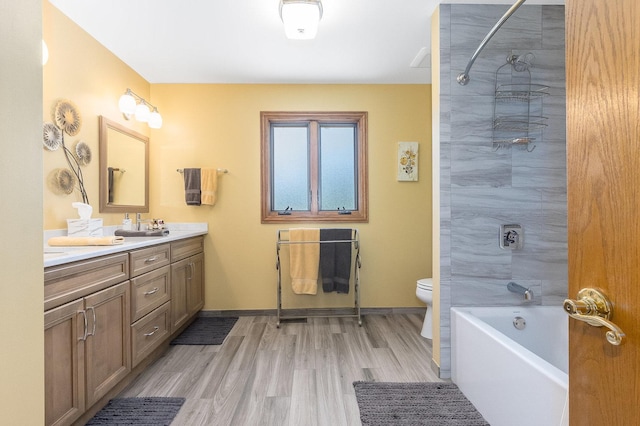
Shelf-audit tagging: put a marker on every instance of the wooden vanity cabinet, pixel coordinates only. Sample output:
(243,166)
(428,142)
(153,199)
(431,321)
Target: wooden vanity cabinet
(87,340)
(106,315)
(187,280)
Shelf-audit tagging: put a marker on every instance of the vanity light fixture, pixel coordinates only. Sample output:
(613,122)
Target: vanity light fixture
(300,18)
(133,104)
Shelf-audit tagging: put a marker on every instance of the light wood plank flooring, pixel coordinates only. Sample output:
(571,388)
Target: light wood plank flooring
(299,374)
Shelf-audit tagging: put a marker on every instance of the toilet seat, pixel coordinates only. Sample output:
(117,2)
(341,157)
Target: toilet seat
(425,284)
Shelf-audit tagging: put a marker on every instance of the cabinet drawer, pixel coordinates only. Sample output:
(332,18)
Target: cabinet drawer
(149,332)
(184,248)
(148,259)
(148,291)
(65,283)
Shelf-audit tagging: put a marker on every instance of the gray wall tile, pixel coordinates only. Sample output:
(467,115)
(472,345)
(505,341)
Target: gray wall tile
(482,188)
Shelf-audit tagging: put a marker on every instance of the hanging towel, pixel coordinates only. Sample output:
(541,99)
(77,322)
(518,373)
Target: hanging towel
(110,184)
(304,259)
(209,186)
(192,186)
(335,260)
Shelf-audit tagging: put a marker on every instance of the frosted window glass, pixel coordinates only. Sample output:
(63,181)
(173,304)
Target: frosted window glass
(290,168)
(338,167)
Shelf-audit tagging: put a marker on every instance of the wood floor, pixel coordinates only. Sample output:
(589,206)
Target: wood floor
(299,374)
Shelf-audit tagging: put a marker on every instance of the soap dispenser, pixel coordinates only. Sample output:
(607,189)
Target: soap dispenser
(126,222)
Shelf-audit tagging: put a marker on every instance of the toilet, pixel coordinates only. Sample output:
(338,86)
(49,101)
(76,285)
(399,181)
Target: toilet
(424,290)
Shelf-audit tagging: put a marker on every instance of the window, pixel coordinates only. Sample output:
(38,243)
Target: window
(314,166)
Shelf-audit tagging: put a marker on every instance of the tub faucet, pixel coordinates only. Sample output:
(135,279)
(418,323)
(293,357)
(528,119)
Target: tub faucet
(517,288)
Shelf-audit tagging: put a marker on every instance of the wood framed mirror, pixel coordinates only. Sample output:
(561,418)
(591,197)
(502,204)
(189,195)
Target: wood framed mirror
(124,169)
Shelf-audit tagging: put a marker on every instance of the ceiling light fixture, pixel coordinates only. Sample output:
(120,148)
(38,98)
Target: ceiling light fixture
(300,18)
(133,104)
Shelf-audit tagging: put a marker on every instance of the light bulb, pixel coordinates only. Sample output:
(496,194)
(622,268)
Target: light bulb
(142,112)
(127,103)
(155,119)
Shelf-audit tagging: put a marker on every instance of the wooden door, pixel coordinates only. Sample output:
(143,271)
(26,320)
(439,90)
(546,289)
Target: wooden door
(108,346)
(603,163)
(64,363)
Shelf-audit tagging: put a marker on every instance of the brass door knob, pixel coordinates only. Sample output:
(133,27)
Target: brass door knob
(594,307)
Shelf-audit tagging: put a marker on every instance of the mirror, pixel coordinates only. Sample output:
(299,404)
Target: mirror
(124,169)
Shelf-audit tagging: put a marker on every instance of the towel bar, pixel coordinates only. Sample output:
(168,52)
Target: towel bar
(219,170)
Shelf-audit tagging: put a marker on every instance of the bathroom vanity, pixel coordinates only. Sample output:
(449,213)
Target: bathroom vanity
(110,311)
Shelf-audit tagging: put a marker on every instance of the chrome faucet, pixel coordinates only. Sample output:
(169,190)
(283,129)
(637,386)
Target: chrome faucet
(140,221)
(517,288)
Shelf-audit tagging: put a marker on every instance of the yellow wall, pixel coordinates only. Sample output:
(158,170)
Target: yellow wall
(84,72)
(21,285)
(219,126)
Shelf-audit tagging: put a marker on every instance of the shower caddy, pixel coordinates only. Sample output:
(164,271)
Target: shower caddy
(517,106)
(283,240)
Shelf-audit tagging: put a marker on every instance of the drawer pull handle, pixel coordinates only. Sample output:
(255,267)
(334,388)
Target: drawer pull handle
(150,292)
(155,328)
(86,325)
(93,331)
(151,259)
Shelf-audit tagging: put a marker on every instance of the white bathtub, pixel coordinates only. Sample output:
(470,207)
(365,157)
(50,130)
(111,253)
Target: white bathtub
(513,377)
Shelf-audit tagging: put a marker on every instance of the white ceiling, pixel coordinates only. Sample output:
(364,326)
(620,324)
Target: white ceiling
(242,41)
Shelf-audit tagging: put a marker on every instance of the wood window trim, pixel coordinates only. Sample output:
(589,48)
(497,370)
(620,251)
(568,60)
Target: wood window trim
(270,216)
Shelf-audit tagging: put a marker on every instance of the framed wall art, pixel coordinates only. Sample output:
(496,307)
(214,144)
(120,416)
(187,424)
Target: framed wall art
(408,161)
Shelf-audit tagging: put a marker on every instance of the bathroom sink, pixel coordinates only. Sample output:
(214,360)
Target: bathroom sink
(54,251)
(48,254)
(142,233)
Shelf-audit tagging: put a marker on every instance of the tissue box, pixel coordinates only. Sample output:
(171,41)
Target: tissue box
(84,227)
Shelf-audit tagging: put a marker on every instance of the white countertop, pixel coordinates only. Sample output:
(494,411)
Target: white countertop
(60,255)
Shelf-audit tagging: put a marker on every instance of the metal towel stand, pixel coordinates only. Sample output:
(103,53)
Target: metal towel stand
(357,264)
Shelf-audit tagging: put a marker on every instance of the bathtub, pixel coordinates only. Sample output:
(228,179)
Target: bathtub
(512,376)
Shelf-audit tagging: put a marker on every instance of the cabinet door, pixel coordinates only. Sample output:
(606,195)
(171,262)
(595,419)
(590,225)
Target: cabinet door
(64,329)
(108,345)
(195,285)
(180,272)
(187,289)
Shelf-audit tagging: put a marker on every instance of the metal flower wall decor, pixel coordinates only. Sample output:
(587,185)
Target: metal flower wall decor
(66,119)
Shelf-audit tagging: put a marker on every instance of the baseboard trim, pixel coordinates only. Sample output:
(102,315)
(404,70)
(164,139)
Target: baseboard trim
(311,312)
(435,367)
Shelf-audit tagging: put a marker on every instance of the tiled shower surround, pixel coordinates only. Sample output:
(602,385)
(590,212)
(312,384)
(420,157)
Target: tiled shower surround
(482,188)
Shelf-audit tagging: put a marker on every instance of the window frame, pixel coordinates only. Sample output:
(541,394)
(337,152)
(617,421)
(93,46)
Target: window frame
(359,118)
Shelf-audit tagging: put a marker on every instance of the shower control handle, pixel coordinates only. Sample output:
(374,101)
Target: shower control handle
(594,307)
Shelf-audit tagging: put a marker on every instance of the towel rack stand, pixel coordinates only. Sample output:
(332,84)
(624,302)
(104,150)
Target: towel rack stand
(283,240)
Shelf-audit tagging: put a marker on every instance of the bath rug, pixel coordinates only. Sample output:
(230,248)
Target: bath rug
(150,411)
(435,404)
(206,331)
